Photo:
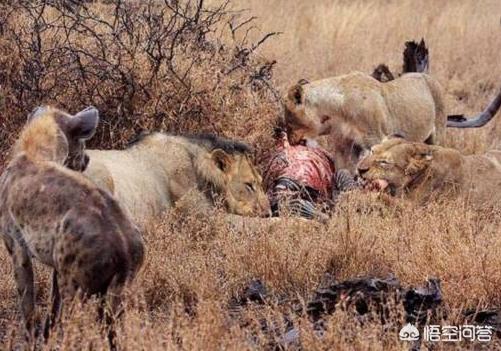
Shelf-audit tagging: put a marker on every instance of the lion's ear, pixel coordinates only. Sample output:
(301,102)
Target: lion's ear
(221,159)
(296,94)
(419,161)
(398,135)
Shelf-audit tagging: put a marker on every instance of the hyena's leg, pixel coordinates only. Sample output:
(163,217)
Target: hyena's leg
(53,316)
(23,274)
(114,308)
(69,292)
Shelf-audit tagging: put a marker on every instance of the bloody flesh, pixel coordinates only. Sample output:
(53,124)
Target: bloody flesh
(309,167)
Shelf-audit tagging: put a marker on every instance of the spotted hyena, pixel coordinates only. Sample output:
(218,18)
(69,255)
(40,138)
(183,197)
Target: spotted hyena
(53,213)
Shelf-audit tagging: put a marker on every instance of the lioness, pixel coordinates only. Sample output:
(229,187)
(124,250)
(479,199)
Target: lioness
(356,112)
(160,170)
(419,171)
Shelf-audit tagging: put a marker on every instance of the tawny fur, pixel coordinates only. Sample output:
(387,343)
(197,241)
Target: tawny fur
(162,171)
(420,172)
(356,111)
(62,219)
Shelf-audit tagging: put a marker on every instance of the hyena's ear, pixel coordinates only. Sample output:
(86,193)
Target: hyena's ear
(37,112)
(84,123)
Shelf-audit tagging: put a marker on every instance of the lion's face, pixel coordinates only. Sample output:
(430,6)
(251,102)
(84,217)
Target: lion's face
(240,184)
(302,116)
(395,164)
(316,109)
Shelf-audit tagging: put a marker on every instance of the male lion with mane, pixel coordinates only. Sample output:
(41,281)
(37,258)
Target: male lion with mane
(160,171)
(420,172)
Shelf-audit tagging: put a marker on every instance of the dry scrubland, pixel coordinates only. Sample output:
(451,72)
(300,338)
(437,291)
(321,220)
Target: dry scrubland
(195,266)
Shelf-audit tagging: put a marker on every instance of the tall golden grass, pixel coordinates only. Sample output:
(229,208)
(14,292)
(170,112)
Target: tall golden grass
(327,38)
(195,266)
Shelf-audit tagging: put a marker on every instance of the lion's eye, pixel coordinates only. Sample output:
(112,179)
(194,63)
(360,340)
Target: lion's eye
(383,162)
(250,187)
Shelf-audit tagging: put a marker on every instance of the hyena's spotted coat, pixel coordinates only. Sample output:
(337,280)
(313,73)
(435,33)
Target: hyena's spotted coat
(56,215)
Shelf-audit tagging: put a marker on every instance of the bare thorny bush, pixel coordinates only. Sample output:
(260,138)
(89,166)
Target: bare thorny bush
(146,65)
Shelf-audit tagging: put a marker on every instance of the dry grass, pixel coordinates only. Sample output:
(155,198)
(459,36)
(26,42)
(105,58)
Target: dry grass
(336,37)
(195,265)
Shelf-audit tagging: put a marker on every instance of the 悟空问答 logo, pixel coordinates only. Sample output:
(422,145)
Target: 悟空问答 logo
(409,333)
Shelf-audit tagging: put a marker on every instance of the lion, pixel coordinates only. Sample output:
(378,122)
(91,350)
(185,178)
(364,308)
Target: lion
(355,111)
(160,171)
(420,172)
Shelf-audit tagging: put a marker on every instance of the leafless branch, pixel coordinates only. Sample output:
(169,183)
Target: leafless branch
(137,61)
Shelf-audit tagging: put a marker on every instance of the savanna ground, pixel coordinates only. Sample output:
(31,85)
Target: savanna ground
(213,81)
